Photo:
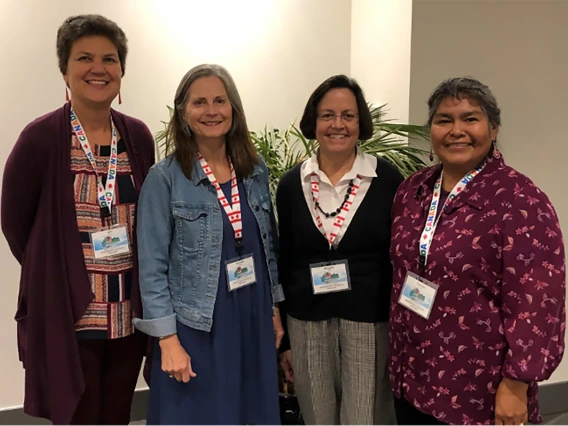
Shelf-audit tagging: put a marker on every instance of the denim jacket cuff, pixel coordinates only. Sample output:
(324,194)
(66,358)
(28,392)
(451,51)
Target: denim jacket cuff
(157,327)
(277,293)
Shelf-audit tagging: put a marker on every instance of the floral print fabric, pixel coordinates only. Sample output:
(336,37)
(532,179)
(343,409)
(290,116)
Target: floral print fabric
(498,258)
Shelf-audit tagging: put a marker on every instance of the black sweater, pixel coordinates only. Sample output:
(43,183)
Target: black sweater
(365,245)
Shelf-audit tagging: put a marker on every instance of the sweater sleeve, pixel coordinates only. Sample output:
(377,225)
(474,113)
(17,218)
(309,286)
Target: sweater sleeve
(533,290)
(21,191)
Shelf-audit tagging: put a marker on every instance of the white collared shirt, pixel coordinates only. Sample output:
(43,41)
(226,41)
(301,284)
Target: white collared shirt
(330,196)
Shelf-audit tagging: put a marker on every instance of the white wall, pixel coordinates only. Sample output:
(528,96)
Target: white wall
(380,53)
(278,51)
(519,49)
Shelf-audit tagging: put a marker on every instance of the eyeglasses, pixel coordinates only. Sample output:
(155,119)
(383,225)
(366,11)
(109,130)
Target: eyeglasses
(346,117)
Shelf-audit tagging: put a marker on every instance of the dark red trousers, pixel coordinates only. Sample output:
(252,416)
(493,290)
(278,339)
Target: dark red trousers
(111,369)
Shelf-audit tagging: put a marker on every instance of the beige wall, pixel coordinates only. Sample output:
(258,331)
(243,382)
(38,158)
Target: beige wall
(380,52)
(278,52)
(520,50)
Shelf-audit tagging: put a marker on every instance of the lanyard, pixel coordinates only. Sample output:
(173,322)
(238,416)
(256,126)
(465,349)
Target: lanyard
(233,211)
(105,194)
(339,218)
(432,221)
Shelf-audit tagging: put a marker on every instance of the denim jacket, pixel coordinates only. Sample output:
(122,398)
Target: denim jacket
(180,235)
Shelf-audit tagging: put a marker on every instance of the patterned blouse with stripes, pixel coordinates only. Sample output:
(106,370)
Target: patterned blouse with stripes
(109,315)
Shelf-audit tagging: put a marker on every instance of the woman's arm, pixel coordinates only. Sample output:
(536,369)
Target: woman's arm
(21,191)
(533,289)
(278,294)
(285,232)
(154,232)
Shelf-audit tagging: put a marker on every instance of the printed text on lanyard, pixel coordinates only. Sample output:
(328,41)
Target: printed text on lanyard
(432,221)
(104,194)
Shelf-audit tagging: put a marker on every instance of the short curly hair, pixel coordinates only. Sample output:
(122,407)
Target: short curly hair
(79,26)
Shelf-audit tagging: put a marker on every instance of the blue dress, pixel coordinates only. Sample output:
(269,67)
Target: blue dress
(235,363)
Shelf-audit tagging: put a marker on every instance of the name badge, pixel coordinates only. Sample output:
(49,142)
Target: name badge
(240,272)
(330,277)
(111,241)
(418,294)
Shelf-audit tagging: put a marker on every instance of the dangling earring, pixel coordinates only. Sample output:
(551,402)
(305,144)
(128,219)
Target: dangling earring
(431,157)
(119,98)
(66,94)
(495,153)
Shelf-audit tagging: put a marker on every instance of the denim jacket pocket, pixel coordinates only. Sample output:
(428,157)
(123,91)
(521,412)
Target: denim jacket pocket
(191,224)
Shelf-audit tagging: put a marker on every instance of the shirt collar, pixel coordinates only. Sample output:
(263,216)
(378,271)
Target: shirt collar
(362,166)
(469,195)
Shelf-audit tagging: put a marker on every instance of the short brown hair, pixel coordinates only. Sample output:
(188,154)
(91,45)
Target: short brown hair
(79,26)
(179,140)
(308,122)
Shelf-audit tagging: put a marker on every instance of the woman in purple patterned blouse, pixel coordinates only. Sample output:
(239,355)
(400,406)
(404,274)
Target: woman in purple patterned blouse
(478,303)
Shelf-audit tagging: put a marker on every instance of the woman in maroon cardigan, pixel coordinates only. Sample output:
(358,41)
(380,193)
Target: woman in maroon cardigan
(69,194)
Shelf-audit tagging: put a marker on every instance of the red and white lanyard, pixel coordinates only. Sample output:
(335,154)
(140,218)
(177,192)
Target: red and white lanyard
(105,193)
(234,210)
(340,217)
(433,219)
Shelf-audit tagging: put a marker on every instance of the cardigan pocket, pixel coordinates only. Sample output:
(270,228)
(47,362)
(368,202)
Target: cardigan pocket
(22,334)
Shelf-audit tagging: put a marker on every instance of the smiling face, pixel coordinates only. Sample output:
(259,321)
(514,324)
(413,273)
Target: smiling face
(461,134)
(337,126)
(208,111)
(93,71)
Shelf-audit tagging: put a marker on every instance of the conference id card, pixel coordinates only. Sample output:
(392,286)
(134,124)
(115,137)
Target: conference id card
(418,295)
(330,277)
(240,272)
(110,241)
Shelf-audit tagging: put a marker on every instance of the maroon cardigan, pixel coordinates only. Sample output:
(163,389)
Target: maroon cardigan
(40,225)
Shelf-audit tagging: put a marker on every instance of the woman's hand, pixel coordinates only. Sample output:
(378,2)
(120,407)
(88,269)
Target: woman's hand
(511,403)
(278,329)
(286,364)
(175,360)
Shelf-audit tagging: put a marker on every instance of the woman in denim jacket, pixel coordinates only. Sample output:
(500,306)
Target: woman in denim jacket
(208,274)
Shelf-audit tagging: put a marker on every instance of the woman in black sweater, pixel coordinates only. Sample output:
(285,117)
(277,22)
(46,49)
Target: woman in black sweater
(334,223)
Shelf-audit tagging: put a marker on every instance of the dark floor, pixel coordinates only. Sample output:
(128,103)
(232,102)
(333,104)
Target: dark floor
(554,420)
(557,419)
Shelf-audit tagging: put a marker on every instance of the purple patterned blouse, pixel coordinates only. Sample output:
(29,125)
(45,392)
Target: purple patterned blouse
(498,258)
